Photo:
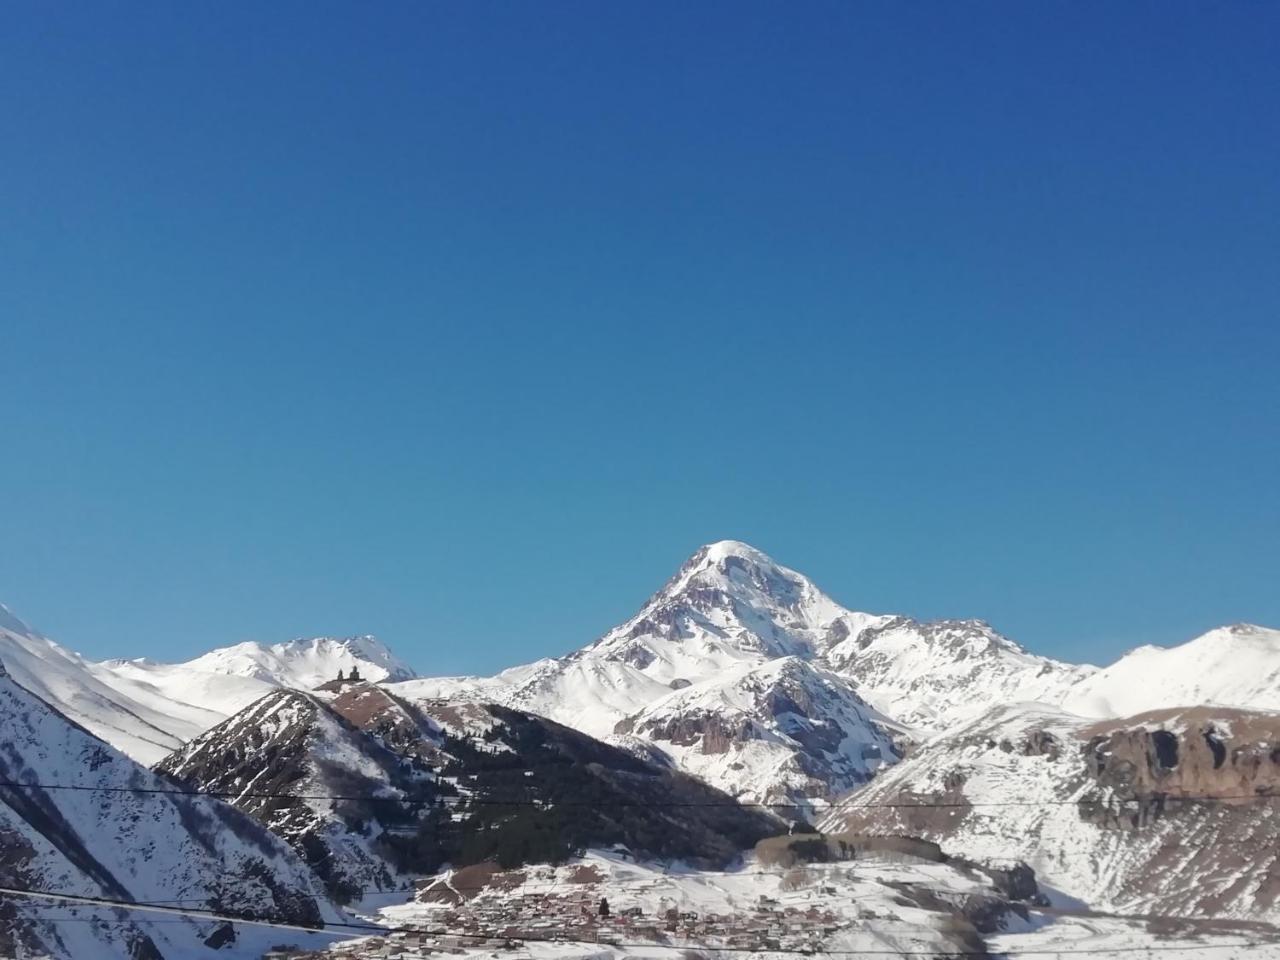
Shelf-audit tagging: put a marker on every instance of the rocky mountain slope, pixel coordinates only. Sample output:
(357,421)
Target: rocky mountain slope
(931,674)
(784,731)
(361,797)
(533,790)
(449,781)
(1171,812)
(103,839)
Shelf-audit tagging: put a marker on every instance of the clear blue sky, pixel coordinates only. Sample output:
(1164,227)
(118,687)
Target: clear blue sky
(464,324)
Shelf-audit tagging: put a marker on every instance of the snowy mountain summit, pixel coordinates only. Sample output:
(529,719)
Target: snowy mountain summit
(738,669)
(1236,665)
(731,603)
(306,663)
(687,675)
(148,709)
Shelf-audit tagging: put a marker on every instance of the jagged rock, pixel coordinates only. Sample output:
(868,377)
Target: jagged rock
(1120,813)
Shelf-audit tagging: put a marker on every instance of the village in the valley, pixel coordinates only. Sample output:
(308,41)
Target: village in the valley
(509,911)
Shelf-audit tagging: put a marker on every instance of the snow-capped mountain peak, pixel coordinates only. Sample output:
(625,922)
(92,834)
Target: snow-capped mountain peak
(729,560)
(730,633)
(731,604)
(1240,637)
(1235,665)
(148,709)
(744,572)
(305,663)
(728,604)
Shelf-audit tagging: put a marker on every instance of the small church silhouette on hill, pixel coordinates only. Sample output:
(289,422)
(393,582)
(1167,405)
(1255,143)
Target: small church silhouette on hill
(342,681)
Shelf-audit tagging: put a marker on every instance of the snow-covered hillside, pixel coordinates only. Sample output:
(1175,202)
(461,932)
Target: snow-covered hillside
(931,674)
(149,709)
(304,664)
(1236,666)
(106,841)
(141,721)
(730,610)
(877,906)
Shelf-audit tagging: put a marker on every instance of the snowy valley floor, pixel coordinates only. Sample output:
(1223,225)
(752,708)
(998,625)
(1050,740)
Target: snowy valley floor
(870,907)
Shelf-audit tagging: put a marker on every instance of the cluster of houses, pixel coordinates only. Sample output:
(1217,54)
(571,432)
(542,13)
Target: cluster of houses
(510,920)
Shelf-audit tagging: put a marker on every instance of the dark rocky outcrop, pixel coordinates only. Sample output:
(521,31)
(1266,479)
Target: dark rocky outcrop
(289,746)
(416,785)
(548,792)
(1161,761)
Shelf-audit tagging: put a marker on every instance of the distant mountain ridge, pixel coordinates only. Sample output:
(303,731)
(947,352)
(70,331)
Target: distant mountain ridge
(305,663)
(731,610)
(1236,666)
(730,604)
(728,611)
(148,709)
(739,680)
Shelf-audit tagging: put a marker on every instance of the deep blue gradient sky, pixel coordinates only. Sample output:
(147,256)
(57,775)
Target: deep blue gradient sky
(464,324)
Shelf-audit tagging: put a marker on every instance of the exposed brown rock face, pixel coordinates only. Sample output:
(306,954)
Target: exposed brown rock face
(1175,812)
(1226,754)
(716,733)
